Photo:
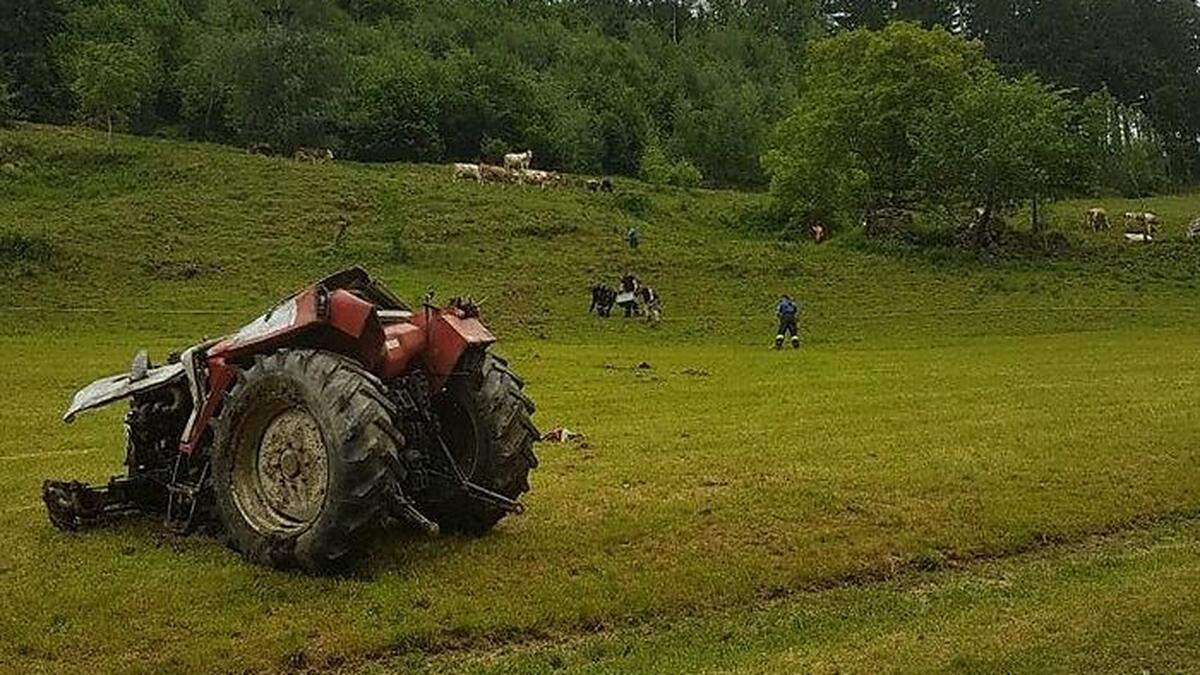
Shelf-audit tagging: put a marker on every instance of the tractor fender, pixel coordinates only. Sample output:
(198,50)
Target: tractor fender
(116,387)
(449,334)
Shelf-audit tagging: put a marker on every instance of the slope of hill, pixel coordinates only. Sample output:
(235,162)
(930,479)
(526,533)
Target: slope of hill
(840,508)
(170,232)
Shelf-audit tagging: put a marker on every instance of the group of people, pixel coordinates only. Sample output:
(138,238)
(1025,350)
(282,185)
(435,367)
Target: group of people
(632,296)
(638,299)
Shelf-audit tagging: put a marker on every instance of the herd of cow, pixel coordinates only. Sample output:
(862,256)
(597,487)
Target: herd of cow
(632,296)
(517,169)
(1140,226)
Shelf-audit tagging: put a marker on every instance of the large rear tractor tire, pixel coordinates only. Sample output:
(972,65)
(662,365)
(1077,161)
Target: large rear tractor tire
(485,421)
(300,460)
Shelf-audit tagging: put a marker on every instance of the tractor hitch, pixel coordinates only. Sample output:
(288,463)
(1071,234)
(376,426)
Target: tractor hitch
(72,505)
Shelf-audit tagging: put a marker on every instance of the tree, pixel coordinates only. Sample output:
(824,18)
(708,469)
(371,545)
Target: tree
(27,30)
(1146,54)
(816,176)
(855,14)
(658,168)
(1130,154)
(111,79)
(848,146)
(917,119)
(996,144)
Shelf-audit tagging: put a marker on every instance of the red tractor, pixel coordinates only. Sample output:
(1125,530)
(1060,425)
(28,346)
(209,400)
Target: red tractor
(336,409)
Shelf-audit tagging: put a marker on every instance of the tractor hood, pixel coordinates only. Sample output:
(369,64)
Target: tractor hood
(140,378)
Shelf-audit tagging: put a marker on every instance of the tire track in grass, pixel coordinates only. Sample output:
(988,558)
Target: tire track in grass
(476,646)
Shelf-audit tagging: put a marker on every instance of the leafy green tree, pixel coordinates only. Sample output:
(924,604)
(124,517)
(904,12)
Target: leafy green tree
(276,85)
(685,174)
(998,143)
(28,29)
(848,146)
(918,120)
(1131,157)
(391,113)
(855,14)
(1146,54)
(657,167)
(816,176)
(111,79)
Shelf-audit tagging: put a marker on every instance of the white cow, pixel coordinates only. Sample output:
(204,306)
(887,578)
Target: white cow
(468,171)
(539,178)
(518,161)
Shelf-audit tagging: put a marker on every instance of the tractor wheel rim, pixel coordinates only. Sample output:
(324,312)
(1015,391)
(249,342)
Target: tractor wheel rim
(290,473)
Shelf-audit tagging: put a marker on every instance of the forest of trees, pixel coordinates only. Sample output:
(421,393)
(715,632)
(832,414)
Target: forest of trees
(669,88)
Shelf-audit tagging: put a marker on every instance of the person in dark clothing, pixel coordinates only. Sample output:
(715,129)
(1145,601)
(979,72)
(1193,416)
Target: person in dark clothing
(628,296)
(787,310)
(603,298)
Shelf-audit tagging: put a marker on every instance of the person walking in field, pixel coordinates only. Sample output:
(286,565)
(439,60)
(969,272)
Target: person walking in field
(787,311)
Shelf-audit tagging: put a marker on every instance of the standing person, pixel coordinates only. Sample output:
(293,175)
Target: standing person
(627,298)
(787,310)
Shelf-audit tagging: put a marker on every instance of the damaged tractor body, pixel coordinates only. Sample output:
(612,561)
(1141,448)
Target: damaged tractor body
(336,409)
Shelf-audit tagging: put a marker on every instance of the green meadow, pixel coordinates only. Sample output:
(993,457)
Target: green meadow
(980,463)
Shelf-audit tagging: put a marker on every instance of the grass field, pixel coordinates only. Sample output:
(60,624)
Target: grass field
(983,465)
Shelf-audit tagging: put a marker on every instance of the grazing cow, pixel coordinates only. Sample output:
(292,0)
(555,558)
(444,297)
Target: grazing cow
(518,161)
(603,299)
(313,155)
(468,171)
(1097,219)
(651,304)
(600,185)
(495,173)
(1143,222)
(1193,231)
(818,233)
(538,178)
(259,149)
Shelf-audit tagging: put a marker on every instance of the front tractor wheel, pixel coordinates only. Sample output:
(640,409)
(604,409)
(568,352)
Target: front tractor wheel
(485,422)
(300,460)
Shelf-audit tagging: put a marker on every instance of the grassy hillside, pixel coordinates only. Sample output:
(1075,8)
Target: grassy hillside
(921,487)
(162,227)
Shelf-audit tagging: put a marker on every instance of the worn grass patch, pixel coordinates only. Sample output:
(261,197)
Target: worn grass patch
(1125,603)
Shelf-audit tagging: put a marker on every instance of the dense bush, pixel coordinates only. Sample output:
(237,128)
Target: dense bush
(656,167)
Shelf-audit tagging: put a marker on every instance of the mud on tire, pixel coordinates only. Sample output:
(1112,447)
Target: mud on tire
(485,420)
(300,460)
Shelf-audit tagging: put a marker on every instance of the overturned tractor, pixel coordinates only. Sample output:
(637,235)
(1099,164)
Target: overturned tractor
(337,409)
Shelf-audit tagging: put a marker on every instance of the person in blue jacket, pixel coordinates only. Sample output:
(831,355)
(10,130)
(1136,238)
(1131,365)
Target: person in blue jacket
(787,310)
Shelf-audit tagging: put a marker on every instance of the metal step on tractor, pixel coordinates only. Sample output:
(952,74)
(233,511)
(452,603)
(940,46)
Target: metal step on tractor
(336,410)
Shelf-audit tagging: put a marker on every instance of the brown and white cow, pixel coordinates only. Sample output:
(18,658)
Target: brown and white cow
(1097,219)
